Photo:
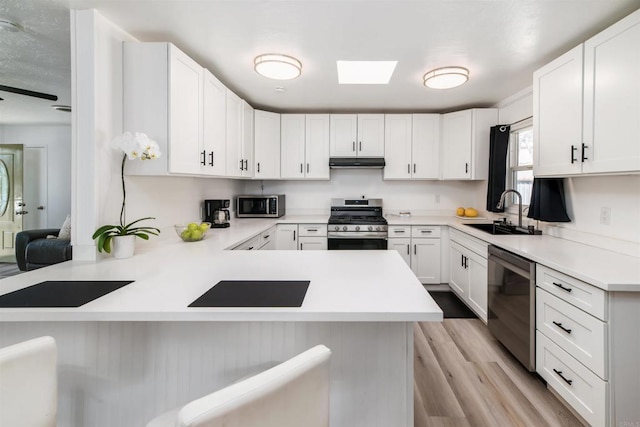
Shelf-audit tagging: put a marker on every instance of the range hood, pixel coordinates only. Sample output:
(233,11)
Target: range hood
(356,162)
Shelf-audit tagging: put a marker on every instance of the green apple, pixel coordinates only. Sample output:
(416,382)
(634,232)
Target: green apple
(186,234)
(192,226)
(196,234)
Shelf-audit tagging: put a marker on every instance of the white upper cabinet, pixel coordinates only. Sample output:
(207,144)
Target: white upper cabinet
(305,146)
(267,145)
(317,146)
(465,143)
(235,161)
(163,97)
(557,115)
(611,130)
(587,107)
(239,137)
(397,146)
(292,142)
(213,150)
(357,135)
(425,150)
(412,146)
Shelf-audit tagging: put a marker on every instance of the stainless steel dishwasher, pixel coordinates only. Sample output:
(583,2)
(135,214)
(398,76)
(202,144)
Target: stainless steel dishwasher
(512,305)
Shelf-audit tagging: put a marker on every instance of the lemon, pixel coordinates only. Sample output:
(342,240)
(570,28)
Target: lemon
(470,212)
(460,211)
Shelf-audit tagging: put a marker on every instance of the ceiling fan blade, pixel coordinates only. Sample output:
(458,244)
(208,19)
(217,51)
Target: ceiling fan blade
(28,93)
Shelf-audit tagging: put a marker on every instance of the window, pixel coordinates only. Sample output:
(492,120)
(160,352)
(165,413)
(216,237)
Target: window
(520,171)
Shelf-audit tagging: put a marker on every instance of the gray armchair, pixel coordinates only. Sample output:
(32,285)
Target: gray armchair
(34,250)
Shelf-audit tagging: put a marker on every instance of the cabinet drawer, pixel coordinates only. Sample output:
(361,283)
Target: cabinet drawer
(399,231)
(425,231)
(581,388)
(579,334)
(472,243)
(576,292)
(312,230)
(249,245)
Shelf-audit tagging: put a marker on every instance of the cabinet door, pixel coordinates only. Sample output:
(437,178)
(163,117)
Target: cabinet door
(612,98)
(287,237)
(344,132)
(313,243)
(234,135)
(317,146)
(425,260)
(456,145)
(267,145)
(292,142)
(247,139)
(403,246)
(185,112)
(557,115)
(425,150)
(397,146)
(458,277)
(213,161)
(478,288)
(370,141)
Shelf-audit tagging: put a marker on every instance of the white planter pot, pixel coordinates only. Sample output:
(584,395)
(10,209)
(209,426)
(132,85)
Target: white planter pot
(123,246)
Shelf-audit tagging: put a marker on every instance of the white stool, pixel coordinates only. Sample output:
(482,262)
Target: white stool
(294,393)
(28,383)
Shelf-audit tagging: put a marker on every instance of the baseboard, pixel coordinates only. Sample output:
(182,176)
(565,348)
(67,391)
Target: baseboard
(440,287)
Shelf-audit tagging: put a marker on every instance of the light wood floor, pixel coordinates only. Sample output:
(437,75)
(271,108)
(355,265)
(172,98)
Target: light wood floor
(464,377)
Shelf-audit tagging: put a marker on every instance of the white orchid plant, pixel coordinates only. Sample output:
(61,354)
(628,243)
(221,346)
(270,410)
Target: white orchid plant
(134,146)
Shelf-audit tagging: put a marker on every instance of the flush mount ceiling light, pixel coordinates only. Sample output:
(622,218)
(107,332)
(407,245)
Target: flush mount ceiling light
(446,77)
(365,72)
(277,66)
(9,26)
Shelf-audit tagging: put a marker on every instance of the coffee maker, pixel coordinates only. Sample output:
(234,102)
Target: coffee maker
(217,213)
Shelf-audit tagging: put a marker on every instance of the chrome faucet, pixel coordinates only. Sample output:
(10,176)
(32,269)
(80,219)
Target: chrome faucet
(501,203)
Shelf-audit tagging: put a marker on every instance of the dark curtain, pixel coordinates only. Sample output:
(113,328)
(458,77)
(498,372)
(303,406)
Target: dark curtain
(498,150)
(547,200)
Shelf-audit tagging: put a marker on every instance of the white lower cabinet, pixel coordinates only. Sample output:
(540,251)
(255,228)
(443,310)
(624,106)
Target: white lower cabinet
(250,245)
(587,346)
(268,239)
(313,237)
(420,249)
(287,237)
(468,271)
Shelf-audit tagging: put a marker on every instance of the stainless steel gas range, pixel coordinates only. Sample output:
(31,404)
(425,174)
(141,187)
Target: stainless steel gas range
(357,224)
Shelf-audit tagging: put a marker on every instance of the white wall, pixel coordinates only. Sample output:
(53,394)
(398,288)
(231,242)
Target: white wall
(419,197)
(57,140)
(586,195)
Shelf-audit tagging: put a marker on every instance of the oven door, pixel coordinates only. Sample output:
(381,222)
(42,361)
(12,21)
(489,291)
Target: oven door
(356,243)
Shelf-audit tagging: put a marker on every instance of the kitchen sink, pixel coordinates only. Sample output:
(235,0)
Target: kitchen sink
(501,228)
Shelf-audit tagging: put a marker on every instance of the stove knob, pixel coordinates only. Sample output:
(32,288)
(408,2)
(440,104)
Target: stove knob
(337,227)
(344,228)
(377,228)
(357,228)
(371,228)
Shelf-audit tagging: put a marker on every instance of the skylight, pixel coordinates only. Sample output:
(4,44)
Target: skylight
(365,72)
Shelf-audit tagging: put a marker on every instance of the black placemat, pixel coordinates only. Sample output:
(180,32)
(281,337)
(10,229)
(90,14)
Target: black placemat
(254,293)
(68,293)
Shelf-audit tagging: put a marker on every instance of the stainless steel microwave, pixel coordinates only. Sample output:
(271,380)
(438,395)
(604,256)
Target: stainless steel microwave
(260,206)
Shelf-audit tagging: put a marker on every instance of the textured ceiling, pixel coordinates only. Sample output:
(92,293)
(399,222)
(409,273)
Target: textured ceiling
(500,41)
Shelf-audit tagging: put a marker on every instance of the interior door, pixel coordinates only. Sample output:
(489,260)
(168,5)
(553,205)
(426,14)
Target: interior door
(35,188)
(11,206)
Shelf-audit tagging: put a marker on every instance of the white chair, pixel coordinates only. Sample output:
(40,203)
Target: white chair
(294,393)
(28,383)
